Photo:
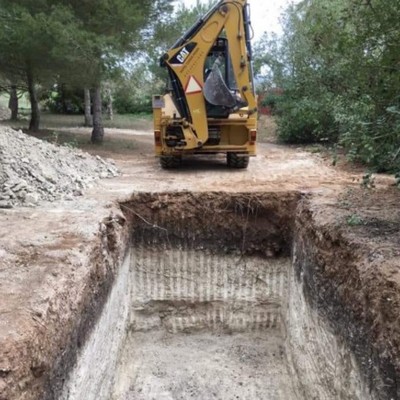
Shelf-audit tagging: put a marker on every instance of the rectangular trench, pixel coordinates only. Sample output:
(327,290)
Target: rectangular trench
(207,306)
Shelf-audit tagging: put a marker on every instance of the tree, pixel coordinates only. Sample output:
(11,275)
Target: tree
(26,40)
(87,107)
(338,66)
(15,92)
(110,30)
(78,42)
(13,102)
(144,76)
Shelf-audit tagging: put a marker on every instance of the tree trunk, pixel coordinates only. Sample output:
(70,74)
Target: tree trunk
(110,111)
(63,100)
(35,112)
(88,111)
(13,103)
(98,129)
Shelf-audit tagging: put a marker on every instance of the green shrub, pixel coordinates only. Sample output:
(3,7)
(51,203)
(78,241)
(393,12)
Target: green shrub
(305,120)
(338,65)
(127,103)
(369,135)
(271,100)
(64,100)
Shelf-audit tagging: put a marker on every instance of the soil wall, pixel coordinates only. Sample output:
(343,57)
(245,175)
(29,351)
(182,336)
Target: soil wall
(35,364)
(346,285)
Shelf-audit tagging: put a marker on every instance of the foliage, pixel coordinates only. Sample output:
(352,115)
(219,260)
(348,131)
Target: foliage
(163,34)
(64,99)
(368,181)
(79,43)
(337,64)
(306,120)
(145,77)
(354,220)
(127,102)
(271,100)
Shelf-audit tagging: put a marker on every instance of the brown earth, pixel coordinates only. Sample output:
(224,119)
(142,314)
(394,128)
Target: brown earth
(58,261)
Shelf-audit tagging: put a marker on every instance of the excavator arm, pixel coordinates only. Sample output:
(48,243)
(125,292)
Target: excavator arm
(185,62)
(211,106)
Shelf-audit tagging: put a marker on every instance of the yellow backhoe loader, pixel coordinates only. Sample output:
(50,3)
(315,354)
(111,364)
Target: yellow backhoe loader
(211,104)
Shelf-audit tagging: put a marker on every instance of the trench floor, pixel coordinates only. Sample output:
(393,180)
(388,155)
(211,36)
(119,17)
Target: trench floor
(164,366)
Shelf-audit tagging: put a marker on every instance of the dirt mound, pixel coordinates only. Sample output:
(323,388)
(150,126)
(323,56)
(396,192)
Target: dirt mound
(32,170)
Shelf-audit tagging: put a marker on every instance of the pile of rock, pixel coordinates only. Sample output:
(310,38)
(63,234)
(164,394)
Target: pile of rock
(32,170)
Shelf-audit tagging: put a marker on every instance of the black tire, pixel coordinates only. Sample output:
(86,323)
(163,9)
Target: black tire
(236,161)
(170,162)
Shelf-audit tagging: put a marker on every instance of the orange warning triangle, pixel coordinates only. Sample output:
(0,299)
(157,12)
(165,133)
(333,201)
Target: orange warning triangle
(193,86)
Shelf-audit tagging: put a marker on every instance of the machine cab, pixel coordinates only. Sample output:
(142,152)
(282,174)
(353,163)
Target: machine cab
(220,89)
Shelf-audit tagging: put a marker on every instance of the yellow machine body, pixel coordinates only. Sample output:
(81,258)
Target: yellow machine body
(211,106)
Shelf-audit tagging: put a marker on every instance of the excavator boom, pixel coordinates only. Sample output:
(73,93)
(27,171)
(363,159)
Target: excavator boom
(212,104)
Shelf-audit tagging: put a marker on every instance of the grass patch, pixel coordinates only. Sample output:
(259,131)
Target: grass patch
(112,145)
(23,101)
(54,121)
(4,100)
(354,220)
(120,121)
(62,130)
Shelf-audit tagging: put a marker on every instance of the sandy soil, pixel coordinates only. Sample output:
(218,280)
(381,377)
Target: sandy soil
(198,366)
(56,257)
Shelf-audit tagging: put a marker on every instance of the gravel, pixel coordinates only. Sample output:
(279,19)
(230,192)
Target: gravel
(33,171)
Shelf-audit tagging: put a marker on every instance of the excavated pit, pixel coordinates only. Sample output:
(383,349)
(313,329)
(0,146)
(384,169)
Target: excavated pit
(208,305)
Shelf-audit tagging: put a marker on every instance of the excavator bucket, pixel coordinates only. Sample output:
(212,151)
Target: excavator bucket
(215,90)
